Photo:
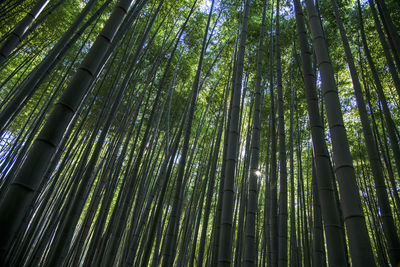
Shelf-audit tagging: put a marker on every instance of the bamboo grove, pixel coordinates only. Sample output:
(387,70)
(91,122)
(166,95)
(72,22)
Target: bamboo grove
(199,133)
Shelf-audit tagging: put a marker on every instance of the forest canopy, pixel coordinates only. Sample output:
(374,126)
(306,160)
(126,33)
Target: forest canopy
(199,133)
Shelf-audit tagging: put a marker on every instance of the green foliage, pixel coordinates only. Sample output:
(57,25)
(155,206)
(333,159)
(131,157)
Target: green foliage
(217,75)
